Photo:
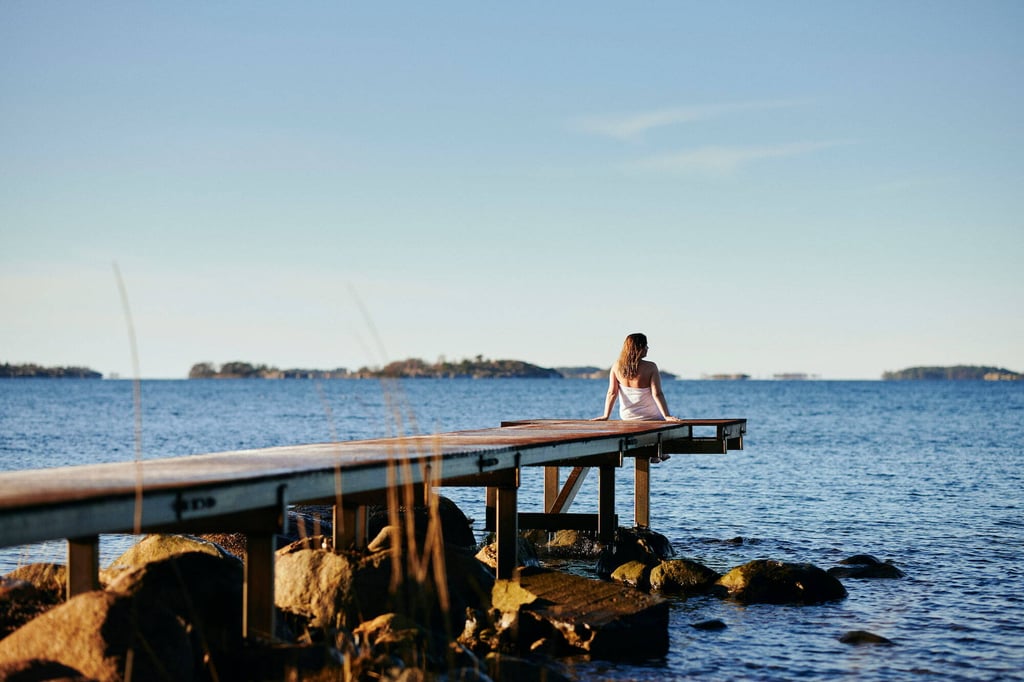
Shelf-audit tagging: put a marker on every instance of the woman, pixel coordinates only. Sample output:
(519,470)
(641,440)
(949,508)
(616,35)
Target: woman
(637,384)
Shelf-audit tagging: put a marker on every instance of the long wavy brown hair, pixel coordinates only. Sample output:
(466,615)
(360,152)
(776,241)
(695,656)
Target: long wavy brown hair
(632,352)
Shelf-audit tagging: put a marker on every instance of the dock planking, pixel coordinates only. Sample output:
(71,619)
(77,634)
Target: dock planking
(249,491)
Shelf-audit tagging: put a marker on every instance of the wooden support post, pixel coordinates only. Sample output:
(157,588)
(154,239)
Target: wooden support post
(258,590)
(572,486)
(507,532)
(550,488)
(350,527)
(490,505)
(606,504)
(642,492)
(83,565)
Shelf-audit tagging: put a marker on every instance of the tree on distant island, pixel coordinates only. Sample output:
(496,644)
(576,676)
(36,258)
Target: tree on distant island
(955,373)
(33,371)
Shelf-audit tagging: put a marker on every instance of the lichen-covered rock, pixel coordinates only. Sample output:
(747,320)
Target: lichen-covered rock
(776,582)
(316,585)
(682,576)
(94,632)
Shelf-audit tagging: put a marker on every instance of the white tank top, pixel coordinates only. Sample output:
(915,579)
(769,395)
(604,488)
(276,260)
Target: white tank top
(638,403)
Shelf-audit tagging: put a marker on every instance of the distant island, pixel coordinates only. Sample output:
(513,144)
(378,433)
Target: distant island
(477,368)
(411,368)
(31,371)
(956,373)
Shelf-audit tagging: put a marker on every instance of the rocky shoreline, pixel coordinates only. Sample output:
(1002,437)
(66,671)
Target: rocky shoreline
(409,607)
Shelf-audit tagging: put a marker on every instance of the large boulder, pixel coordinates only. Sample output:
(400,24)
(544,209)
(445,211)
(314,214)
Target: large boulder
(456,527)
(775,582)
(682,576)
(157,547)
(100,634)
(316,585)
(203,590)
(633,544)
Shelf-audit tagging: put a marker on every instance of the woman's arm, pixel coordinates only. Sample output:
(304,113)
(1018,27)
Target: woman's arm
(659,395)
(609,400)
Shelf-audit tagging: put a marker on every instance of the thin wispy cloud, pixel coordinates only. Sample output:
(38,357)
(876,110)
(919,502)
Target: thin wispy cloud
(725,160)
(631,126)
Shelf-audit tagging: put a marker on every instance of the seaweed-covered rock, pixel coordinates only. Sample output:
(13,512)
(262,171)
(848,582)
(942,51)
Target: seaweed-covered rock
(777,582)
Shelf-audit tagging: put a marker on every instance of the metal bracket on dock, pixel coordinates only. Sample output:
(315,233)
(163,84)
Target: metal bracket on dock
(484,462)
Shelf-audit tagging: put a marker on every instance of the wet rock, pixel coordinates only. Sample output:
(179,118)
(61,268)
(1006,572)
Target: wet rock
(682,576)
(203,590)
(864,566)
(709,625)
(526,553)
(864,637)
(777,582)
(94,632)
(573,544)
(635,574)
(633,544)
(602,619)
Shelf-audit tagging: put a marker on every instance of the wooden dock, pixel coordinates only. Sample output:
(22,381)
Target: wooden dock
(248,491)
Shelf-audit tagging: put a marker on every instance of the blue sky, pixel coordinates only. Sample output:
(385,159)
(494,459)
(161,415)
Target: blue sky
(821,187)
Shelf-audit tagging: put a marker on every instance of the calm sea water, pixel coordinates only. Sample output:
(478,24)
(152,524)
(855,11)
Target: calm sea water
(927,474)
